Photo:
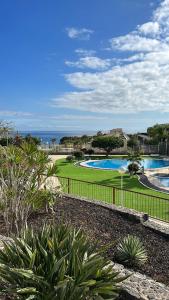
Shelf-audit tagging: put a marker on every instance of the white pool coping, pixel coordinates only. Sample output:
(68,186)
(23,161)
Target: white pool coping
(85,164)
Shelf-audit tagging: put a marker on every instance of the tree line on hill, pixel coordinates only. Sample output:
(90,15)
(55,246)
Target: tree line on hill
(8,138)
(156,134)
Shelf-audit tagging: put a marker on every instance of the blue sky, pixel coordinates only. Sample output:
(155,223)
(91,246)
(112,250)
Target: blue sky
(84,65)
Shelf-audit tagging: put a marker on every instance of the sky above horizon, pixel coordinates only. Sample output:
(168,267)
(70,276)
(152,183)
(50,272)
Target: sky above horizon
(84,65)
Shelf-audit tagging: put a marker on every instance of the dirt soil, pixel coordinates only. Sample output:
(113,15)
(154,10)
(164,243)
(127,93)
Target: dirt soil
(107,226)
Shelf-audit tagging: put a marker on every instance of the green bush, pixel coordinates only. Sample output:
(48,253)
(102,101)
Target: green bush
(78,155)
(32,139)
(56,263)
(26,179)
(131,252)
(6,141)
(70,158)
(133,168)
(90,151)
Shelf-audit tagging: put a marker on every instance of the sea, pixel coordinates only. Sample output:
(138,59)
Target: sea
(46,136)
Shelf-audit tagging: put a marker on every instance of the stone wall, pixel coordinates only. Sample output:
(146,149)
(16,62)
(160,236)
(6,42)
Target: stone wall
(141,287)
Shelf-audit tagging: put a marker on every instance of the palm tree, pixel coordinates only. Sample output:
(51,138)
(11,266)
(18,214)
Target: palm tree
(5,129)
(53,140)
(134,157)
(135,161)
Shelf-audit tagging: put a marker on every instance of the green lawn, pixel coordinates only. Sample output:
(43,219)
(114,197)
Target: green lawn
(156,207)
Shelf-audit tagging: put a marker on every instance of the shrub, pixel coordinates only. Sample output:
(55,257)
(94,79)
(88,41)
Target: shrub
(131,252)
(78,155)
(70,158)
(24,174)
(90,151)
(133,168)
(56,263)
(83,150)
(32,139)
(6,141)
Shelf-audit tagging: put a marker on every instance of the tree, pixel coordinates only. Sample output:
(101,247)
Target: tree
(99,133)
(89,151)
(133,168)
(132,142)
(5,129)
(24,172)
(158,132)
(6,141)
(32,139)
(107,143)
(78,155)
(53,140)
(135,158)
(77,141)
(18,140)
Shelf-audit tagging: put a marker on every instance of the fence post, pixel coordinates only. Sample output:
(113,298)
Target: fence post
(114,195)
(68,186)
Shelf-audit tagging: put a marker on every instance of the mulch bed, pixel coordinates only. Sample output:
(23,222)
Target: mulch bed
(107,226)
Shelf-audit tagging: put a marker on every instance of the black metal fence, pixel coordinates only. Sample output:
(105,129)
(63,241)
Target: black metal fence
(154,206)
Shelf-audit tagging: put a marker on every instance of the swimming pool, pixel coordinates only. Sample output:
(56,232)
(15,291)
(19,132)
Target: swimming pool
(164,180)
(116,164)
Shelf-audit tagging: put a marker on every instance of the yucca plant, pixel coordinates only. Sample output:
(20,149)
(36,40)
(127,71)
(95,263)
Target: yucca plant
(131,251)
(56,263)
(25,180)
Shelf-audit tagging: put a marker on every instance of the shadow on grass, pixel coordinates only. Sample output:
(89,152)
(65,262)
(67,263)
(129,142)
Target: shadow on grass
(63,163)
(129,183)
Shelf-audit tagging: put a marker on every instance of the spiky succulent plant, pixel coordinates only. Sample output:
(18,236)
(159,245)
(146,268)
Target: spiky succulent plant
(56,263)
(131,251)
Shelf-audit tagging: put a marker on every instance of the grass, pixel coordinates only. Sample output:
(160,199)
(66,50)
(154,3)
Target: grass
(146,203)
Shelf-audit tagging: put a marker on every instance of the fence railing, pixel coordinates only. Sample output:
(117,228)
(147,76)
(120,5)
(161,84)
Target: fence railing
(154,206)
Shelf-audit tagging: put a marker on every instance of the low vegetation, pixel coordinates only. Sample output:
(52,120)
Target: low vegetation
(24,172)
(76,141)
(133,168)
(131,252)
(135,158)
(57,262)
(70,158)
(79,155)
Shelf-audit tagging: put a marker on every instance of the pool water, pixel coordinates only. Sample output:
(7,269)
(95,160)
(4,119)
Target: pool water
(115,164)
(163,180)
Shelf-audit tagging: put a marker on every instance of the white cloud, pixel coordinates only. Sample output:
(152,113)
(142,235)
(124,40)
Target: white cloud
(150,36)
(9,113)
(133,88)
(91,62)
(84,52)
(77,117)
(135,43)
(79,33)
(149,28)
(137,83)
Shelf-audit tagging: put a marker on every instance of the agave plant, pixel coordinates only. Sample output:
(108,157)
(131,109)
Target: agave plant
(131,251)
(56,263)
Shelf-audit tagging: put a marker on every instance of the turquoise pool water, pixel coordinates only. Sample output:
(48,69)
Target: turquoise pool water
(115,164)
(164,180)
